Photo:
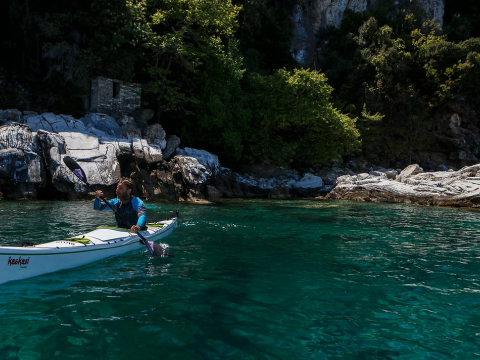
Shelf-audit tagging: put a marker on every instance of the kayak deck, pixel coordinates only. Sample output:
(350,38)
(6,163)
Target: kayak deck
(100,236)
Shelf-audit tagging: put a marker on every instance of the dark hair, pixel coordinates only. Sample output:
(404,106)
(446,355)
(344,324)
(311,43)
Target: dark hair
(127,182)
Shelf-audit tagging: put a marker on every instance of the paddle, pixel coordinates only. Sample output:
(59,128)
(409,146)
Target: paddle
(155,249)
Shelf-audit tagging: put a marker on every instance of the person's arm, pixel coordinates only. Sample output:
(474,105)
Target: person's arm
(139,207)
(99,204)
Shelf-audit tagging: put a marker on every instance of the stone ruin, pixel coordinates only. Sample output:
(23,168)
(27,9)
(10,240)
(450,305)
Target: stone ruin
(114,97)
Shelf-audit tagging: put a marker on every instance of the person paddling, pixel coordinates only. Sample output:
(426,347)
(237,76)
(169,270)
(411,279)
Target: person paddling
(131,209)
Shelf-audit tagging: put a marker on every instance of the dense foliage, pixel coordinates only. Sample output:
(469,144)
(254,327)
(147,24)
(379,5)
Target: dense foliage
(404,71)
(220,74)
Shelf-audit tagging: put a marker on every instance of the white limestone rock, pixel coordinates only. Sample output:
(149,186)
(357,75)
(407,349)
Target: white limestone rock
(456,188)
(21,167)
(54,123)
(151,154)
(209,160)
(104,123)
(309,181)
(193,172)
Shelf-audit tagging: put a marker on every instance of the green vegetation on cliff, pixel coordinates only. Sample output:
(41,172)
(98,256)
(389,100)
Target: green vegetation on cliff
(406,71)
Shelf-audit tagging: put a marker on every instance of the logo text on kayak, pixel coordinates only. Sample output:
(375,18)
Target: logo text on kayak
(22,262)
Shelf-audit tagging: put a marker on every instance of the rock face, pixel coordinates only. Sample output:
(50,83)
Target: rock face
(310,16)
(210,161)
(33,147)
(413,186)
(103,123)
(435,9)
(173,142)
(32,151)
(21,167)
(457,137)
(31,166)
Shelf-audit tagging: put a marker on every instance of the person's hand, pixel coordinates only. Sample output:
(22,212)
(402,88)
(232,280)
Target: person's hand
(135,228)
(99,194)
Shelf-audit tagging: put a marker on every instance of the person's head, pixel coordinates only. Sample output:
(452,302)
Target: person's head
(124,188)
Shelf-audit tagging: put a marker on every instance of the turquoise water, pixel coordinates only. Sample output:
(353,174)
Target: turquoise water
(254,280)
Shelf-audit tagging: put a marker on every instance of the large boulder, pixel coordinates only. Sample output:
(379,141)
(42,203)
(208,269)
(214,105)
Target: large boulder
(173,142)
(130,129)
(191,177)
(103,123)
(142,116)
(21,167)
(146,154)
(209,160)
(192,171)
(54,123)
(308,186)
(452,188)
(410,170)
(155,135)
(9,115)
(97,159)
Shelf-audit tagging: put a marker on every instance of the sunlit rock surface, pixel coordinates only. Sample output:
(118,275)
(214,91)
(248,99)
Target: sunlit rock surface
(32,152)
(413,186)
(21,167)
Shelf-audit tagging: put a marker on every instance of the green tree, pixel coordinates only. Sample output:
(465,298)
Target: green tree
(294,120)
(184,37)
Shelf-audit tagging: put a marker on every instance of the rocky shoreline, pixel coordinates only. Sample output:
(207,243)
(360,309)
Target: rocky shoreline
(32,147)
(413,186)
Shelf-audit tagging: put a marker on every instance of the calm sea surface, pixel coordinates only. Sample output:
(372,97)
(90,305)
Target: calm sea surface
(253,280)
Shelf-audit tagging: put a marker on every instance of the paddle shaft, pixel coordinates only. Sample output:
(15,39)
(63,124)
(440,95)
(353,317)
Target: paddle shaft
(154,249)
(144,241)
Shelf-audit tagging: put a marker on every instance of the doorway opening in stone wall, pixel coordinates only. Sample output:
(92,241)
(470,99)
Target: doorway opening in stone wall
(116,90)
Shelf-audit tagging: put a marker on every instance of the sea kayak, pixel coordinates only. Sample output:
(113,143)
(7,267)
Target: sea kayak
(24,262)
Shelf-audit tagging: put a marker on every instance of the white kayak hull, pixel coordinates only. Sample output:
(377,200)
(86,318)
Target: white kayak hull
(18,263)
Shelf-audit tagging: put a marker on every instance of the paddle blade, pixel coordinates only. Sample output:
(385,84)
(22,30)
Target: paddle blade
(157,251)
(75,168)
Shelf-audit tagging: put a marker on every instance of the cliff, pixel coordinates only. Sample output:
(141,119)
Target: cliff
(311,15)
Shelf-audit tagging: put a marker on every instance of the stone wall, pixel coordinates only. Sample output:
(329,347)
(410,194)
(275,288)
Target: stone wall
(114,97)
